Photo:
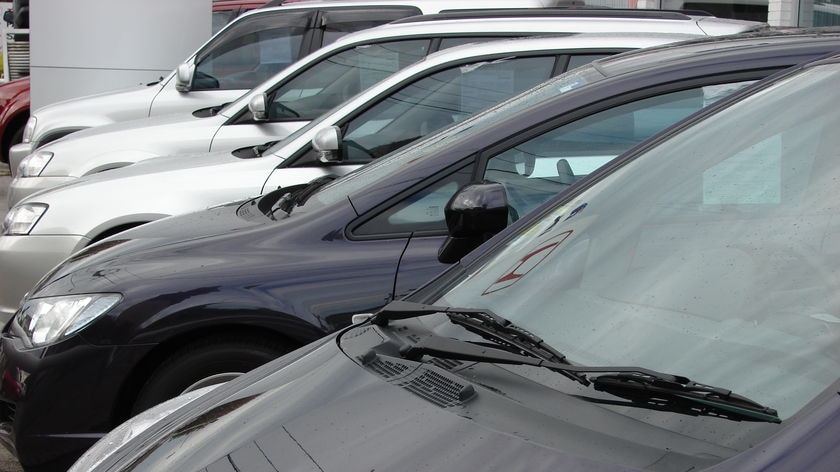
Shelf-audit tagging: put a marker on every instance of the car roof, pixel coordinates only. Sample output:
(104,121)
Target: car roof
(772,41)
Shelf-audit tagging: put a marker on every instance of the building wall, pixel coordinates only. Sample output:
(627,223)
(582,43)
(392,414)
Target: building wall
(89,46)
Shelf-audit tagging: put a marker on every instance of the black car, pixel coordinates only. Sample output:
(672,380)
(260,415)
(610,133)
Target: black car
(675,312)
(198,299)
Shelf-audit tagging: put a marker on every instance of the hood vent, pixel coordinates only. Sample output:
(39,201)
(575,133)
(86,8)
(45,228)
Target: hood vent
(433,386)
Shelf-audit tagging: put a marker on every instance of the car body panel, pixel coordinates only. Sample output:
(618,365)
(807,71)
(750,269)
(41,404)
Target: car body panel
(14,111)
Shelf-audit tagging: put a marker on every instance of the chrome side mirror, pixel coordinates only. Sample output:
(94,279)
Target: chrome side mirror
(473,215)
(183,77)
(327,142)
(258,106)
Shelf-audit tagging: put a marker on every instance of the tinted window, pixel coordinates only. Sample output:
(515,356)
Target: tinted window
(422,211)
(251,51)
(338,23)
(341,76)
(541,167)
(437,101)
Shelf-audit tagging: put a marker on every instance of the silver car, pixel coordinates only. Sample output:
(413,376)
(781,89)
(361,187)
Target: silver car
(243,54)
(317,83)
(448,86)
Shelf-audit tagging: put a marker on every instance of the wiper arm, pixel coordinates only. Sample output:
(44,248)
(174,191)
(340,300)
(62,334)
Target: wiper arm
(299,195)
(482,321)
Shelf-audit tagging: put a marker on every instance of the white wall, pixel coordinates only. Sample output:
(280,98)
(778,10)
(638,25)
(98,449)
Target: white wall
(82,47)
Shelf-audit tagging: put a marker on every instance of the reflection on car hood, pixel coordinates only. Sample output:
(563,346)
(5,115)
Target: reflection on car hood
(324,413)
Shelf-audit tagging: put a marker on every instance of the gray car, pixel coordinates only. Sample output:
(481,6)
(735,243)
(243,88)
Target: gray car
(318,82)
(445,88)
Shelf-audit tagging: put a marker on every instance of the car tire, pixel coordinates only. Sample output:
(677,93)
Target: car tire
(208,361)
(17,137)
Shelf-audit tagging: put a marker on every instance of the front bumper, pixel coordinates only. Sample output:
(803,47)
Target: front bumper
(17,153)
(22,187)
(25,259)
(59,400)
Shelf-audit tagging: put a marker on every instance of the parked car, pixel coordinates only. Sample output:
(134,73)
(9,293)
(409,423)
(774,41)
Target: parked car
(676,312)
(246,52)
(14,111)
(444,88)
(194,299)
(14,95)
(314,85)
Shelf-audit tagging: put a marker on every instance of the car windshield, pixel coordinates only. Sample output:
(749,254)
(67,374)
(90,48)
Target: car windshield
(392,163)
(708,256)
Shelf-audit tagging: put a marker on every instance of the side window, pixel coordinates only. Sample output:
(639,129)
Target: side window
(422,211)
(339,22)
(446,43)
(439,100)
(335,79)
(577,60)
(251,51)
(535,170)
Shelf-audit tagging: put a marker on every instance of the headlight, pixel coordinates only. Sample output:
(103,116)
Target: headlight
(22,218)
(46,320)
(125,432)
(29,129)
(33,164)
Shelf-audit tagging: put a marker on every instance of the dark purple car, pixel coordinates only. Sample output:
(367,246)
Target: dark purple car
(676,310)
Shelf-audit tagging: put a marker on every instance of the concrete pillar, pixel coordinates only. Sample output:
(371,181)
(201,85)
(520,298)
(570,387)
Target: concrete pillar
(783,12)
(89,46)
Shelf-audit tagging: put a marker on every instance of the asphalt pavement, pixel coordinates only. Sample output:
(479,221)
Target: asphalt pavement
(7,462)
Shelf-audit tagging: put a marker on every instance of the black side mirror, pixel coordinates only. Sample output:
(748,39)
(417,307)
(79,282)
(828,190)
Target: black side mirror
(473,215)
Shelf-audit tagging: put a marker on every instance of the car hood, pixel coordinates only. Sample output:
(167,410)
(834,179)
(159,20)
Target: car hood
(350,402)
(323,412)
(118,144)
(119,105)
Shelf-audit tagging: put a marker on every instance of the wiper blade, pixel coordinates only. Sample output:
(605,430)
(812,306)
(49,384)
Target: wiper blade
(683,395)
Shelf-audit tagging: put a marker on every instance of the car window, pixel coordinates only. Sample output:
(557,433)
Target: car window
(251,51)
(336,79)
(339,22)
(545,165)
(422,211)
(439,100)
(577,60)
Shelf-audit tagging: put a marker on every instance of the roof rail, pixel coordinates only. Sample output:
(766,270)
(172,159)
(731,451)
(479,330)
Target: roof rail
(551,12)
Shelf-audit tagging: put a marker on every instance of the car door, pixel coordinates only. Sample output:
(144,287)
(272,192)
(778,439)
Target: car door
(549,161)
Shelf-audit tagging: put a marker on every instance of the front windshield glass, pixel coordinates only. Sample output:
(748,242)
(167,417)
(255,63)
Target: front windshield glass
(708,256)
(392,163)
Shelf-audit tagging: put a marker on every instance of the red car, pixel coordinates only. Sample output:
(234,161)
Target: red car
(14,95)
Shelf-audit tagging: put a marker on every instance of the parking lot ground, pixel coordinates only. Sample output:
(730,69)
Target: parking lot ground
(7,462)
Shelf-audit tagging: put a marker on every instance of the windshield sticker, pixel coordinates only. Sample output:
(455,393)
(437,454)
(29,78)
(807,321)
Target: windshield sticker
(527,263)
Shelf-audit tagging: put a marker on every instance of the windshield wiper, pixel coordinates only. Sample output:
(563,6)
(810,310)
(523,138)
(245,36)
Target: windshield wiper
(298,196)
(684,396)
(480,321)
(643,387)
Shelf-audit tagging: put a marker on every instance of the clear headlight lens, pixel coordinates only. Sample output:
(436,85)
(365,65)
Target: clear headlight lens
(22,218)
(127,431)
(35,163)
(46,320)
(29,129)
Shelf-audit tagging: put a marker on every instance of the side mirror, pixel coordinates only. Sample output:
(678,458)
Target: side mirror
(327,142)
(473,215)
(257,106)
(183,77)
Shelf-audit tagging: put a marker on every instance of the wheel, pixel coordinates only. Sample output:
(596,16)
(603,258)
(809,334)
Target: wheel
(206,362)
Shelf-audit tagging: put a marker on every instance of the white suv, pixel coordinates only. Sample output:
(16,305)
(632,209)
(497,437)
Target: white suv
(244,53)
(319,82)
